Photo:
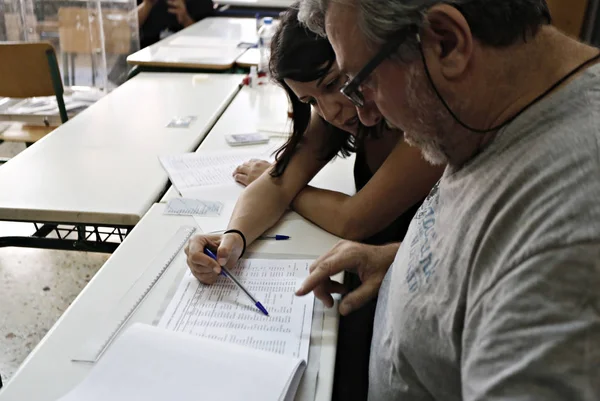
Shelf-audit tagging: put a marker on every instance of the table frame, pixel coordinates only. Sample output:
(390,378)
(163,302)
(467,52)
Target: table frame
(88,237)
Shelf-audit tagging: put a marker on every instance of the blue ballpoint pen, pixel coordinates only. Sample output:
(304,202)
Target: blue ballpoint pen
(276,237)
(228,274)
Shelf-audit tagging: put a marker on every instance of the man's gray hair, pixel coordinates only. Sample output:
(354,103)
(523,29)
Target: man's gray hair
(493,22)
(311,13)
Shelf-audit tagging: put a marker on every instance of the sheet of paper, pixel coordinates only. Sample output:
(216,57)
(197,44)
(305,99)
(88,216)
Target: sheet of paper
(223,312)
(192,170)
(250,57)
(202,41)
(182,122)
(198,54)
(151,364)
(212,224)
(193,207)
(233,27)
(43,105)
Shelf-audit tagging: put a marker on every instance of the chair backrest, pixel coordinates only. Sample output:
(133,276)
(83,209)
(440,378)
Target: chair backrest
(24,70)
(568,15)
(29,70)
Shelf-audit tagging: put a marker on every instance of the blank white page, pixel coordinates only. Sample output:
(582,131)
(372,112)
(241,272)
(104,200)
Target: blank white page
(150,364)
(203,41)
(197,54)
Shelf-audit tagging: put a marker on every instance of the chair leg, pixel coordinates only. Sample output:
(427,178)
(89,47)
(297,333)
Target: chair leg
(93,71)
(73,69)
(65,60)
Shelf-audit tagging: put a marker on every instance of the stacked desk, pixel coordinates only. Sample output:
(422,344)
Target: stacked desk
(210,44)
(101,168)
(249,59)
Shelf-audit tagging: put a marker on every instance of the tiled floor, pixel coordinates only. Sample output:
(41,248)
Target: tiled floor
(36,286)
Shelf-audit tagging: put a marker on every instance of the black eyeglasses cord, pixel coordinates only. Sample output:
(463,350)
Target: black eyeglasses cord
(513,118)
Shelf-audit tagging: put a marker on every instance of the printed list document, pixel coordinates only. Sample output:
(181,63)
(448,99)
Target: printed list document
(191,172)
(223,312)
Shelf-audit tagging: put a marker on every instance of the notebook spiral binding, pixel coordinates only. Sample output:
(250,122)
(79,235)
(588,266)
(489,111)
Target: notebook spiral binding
(174,246)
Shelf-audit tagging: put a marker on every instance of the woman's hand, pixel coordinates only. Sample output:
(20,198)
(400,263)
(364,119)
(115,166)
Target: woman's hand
(248,172)
(228,248)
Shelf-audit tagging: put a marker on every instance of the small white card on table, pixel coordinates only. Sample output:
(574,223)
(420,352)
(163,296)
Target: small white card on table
(193,207)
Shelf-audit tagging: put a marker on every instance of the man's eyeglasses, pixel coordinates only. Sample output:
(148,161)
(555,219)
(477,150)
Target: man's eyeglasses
(351,89)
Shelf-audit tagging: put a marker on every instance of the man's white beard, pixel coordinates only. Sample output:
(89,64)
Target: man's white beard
(430,150)
(424,134)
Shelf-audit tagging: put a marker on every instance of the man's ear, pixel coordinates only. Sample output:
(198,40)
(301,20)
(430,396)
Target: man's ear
(447,40)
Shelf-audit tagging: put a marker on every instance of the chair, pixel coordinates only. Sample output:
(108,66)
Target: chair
(568,15)
(30,70)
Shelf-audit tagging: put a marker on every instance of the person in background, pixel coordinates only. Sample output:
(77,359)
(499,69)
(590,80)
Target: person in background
(159,16)
(391,181)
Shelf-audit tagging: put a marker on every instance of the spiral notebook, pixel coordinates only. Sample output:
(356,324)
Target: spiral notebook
(152,364)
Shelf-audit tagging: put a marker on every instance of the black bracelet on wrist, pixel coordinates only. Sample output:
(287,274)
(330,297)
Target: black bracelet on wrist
(241,234)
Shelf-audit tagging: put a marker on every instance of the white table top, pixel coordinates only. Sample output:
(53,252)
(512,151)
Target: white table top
(210,43)
(102,166)
(250,58)
(264,108)
(48,372)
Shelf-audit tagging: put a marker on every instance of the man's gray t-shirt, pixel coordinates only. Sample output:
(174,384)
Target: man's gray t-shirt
(495,292)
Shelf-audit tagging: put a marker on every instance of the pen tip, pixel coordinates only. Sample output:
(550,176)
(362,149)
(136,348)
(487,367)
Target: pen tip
(262,308)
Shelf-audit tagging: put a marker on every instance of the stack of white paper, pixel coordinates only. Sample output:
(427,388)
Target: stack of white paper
(151,364)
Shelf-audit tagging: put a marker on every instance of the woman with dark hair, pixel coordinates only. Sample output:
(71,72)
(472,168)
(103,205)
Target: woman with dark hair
(391,181)
(391,177)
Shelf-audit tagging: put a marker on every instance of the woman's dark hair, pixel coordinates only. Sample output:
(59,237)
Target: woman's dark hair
(300,55)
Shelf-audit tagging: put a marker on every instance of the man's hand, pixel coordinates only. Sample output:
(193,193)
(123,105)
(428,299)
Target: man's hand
(248,172)
(370,262)
(177,7)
